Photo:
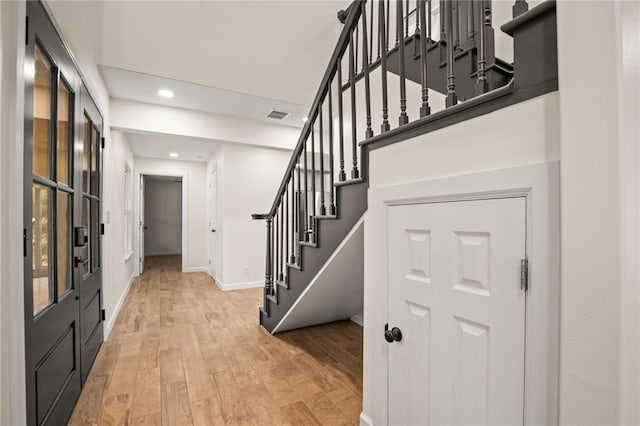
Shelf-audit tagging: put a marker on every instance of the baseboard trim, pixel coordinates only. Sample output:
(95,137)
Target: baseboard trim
(358,319)
(365,420)
(163,253)
(197,269)
(112,319)
(238,286)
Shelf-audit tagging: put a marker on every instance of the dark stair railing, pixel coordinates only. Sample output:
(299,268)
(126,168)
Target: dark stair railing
(460,65)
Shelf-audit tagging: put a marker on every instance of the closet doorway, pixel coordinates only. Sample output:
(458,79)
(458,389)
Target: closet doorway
(161,216)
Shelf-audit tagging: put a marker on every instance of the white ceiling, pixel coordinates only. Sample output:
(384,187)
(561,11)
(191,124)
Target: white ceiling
(160,145)
(144,88)
(238,58)
(270,49)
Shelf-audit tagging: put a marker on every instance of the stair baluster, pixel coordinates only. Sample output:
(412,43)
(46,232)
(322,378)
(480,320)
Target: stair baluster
(285,258)
(425,109)
(323,209)
(385,109)
(482,85)
(428,17)
(443,6)
(406,20)
(455,20)
(403,119)
(332,204)
(295,257)
(306,194)
(312,222)
(471,21)
(452,98)
(370,32)
(367,83)
(386,36)
(355,173)
(342,176)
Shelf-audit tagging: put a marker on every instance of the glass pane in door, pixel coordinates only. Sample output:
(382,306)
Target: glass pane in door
(42,294)
(95,235)
(86,132)
(42,115)
(64,132)
(85,224)
(95,182)
(64,247)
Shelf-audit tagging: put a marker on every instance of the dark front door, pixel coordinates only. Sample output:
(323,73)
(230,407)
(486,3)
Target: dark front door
(88,203)
(61,335)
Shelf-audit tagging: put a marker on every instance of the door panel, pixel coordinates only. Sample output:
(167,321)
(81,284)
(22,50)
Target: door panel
(213,211)
(454,291)
(51,304)
(59,346)
(142,226)
(90,278)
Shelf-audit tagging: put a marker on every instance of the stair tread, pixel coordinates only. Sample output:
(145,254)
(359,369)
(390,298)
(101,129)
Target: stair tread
(308,244)
(272,298)
(282,283)
(294,266)
(349,182)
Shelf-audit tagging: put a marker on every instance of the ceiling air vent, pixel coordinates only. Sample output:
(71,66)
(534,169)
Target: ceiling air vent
(278,115)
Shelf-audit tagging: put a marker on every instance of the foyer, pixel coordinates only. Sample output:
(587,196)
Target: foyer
(184,352)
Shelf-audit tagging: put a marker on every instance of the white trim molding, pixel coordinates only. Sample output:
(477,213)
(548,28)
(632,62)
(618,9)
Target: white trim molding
(196,269)
(237,286)
(365,420)
(113,315)
(539,184)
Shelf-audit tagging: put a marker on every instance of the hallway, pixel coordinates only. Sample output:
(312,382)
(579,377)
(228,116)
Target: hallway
(184,352)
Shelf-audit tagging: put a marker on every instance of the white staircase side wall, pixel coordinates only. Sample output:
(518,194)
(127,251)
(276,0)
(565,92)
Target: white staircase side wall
(337,290)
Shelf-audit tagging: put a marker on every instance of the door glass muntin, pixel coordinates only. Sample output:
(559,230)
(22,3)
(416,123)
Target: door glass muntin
(52,166)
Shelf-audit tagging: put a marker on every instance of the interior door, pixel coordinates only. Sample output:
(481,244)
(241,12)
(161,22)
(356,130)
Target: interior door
(455,297)
(88,213)
(213,212)
(142,225)
(51,186)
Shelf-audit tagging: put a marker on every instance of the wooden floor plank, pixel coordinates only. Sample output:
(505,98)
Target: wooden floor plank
(183,352)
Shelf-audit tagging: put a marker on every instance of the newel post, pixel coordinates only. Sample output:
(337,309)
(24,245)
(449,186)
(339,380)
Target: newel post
(268,282)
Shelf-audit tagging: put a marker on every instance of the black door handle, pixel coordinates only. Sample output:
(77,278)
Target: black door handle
(213,230)
(79,260)
(393,335)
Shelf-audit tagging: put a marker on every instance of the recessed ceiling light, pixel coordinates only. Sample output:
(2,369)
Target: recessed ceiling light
(173,154)
(166,93)
(305,119)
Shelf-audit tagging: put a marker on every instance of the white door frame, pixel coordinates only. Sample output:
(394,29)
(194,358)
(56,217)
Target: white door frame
(185,216)
(540,185)
(213,256)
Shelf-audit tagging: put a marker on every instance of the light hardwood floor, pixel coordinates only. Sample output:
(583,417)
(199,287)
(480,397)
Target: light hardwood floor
(184,352)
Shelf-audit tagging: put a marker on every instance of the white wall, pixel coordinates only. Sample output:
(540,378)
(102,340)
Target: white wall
(599,334)
(140,117)
(118,264)
(12,367)
(525,133)
(194,178)
(163,217)
(248,178)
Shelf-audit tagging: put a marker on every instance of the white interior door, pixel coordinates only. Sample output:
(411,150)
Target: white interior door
(142,225)
(213,212)
(454,292)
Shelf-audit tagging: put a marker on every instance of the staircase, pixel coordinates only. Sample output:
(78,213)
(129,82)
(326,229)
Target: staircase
(318,211)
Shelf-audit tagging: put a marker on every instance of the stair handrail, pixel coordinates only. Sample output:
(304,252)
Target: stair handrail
(354,11)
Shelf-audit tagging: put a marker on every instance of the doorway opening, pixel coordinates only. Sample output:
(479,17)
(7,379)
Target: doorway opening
(161,219)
